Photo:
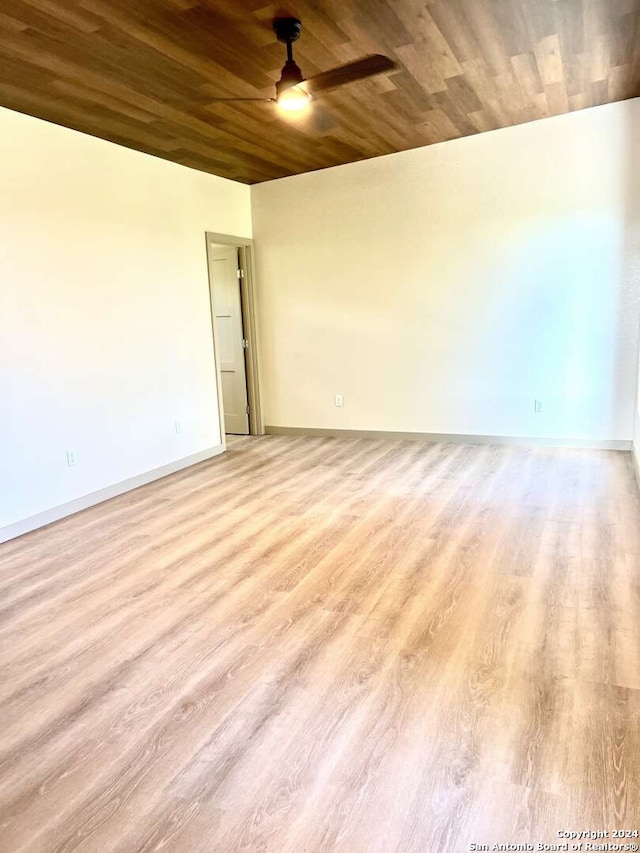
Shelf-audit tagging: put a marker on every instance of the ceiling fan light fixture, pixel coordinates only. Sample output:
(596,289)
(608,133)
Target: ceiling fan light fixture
(293,99)
(290,96)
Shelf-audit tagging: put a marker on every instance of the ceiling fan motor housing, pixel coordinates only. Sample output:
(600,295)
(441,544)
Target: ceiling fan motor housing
(287,29)
(291,76)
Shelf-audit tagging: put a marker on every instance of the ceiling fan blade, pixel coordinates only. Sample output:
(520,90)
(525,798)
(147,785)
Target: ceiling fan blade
(369,66)
(227,100)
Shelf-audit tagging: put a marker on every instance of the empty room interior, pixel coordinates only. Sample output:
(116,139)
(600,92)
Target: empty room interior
(320,433)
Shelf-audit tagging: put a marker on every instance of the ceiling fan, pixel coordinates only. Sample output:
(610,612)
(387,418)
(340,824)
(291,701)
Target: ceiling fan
(294,92)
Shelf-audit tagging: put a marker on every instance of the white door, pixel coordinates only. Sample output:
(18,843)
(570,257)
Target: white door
(227,311)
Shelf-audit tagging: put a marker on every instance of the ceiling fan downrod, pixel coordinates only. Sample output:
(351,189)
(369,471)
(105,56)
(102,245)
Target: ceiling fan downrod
(287,31)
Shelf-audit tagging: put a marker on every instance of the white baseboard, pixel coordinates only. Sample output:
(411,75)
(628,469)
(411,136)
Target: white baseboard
(86,501)
(451,438)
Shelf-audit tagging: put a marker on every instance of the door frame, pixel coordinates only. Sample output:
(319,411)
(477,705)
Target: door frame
(244,245)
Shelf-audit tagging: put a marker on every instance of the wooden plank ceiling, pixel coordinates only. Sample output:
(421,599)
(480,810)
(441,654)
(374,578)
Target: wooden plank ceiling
(143,73)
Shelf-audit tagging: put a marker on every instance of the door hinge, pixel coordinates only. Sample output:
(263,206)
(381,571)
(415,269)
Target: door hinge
(240,273)
(245,343)
(246,408)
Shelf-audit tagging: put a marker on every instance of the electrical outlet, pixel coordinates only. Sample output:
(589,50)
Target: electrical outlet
(71,458)
(338,400)
(537,407)
(178,426)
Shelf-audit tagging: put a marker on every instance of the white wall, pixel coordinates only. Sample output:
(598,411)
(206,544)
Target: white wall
(632,244)
(105,331)
(445,289)
(636,439)
(636,432)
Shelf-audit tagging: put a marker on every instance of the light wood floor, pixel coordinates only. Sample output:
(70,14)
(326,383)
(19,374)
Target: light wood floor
(315,644)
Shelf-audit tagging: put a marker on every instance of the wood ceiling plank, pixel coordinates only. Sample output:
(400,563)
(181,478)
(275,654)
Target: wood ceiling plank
(483,121)
(526,71)
(395,32)
(512,24)
(557,98)
(85,95)
(427,77)
(145,74)
(600,64)
(11,25)
(36,17)
(409,92)
(541,18)
(621,81)
(549,60)
(579,102)
(600,92)
(450,18)
(570,26)
(463,95)
(78,19)
(439,126)
(483,21)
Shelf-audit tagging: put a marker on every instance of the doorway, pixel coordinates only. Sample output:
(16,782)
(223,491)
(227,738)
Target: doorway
(234,333)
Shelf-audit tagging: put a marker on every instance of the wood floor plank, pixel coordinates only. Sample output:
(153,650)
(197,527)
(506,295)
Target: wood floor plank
(327,645)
